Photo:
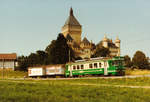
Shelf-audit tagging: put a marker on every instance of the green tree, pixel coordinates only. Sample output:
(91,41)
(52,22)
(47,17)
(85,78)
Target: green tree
(128,62)
(49,51)
(33,59)
(139,60)
(58,51)
(101,52)
(23,63)
(41,57)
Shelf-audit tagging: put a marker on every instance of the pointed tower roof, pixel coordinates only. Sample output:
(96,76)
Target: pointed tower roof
(105,38)
(85,41)
(71,19)
(117,40)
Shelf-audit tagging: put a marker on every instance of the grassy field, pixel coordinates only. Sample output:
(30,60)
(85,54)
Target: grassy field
(75,90)
(137,72)
(78,90)
(7,73)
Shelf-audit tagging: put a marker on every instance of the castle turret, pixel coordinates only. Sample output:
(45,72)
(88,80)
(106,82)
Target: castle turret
(105,41)
(117,43)
(72,27)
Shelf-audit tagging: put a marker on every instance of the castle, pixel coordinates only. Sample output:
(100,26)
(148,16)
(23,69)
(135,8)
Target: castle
(72,31)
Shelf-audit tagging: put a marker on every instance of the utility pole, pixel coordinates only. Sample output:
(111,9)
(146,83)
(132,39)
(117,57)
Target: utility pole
(3,68)
(69,55)
(70,65)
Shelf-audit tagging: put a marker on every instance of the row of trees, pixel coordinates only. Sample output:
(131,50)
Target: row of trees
(139,61)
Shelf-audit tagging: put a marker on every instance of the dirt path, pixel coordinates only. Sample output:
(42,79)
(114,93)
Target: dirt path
(100,77)
(107,85)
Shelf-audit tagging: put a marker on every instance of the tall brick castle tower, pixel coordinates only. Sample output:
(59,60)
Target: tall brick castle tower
(72,27)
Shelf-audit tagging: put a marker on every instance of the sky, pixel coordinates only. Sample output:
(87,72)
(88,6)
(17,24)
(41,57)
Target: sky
(30,25)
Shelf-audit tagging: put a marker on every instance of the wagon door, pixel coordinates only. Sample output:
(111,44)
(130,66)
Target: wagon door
(105,68)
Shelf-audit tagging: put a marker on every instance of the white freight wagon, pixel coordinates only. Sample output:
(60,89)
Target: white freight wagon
(36,71)
(55,70)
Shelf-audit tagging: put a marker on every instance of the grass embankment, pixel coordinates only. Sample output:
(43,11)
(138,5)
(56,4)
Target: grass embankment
(137,72)
(8,73)
(78,90)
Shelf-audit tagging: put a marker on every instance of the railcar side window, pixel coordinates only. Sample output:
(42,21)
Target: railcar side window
(95,65)
(100,65)
(90,66)
(82,67)
(74,67)
(78,67)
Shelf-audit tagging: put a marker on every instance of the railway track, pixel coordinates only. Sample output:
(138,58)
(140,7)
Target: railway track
(103,77)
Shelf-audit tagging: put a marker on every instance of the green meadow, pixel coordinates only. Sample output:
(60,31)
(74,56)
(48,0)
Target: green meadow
(75,90)
(7,73)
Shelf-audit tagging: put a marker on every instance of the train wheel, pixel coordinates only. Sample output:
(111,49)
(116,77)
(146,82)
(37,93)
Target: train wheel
(80,76)
(110,74)
(121,73)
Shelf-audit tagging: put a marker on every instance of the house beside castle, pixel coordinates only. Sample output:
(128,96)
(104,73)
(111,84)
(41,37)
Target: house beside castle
(84,48)
(8,61)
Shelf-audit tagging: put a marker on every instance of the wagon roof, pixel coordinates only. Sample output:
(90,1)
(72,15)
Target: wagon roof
(45,66)
(87,61)
(96,60)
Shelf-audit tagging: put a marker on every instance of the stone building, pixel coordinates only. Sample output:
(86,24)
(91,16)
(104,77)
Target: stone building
(114,47)
(8,61)
(72,31)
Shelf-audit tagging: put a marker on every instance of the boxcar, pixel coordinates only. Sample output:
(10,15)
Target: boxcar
(96,66)
(47,71)
(55,70)
(36,71)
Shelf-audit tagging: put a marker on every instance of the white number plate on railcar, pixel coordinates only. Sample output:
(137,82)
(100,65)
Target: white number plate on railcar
(36,72)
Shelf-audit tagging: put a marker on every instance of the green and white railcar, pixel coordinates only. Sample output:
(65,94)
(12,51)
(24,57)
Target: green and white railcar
(96,66)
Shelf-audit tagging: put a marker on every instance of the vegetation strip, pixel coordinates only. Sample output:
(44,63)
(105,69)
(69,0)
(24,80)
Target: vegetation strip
(123,86)
(80,84)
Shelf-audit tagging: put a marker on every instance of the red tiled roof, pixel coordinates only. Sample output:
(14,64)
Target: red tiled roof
(12,56)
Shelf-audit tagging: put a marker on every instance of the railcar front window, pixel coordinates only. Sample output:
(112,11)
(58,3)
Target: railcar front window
(116,63)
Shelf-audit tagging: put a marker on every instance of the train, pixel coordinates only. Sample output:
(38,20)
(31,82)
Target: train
(88,67)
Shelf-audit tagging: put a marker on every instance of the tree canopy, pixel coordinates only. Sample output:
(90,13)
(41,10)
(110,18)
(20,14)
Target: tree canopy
(101,52)
(58,51)
(34,59)
(128,62)
(139,60)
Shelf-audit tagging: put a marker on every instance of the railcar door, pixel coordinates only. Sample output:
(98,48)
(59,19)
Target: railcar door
(105,68)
